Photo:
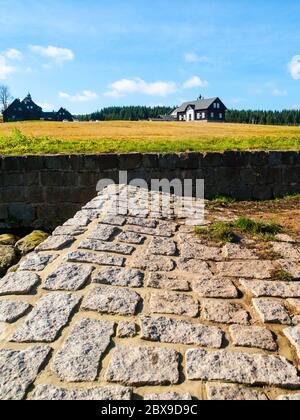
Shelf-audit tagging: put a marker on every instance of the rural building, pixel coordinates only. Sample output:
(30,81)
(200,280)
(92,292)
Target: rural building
(27,110)
(202,110)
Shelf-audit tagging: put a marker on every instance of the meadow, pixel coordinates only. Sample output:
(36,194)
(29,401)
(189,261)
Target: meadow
(123,137)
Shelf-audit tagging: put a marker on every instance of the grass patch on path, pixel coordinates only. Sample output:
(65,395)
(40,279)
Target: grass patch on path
(230,232)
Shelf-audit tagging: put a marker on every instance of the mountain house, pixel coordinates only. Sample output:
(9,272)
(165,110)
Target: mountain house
(27,110)
(202,110)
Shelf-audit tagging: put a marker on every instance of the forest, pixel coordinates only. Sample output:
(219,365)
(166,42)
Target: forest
(142,113)
(127,113)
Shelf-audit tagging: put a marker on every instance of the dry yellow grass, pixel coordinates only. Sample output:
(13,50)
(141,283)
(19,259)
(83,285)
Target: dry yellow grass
(124,130)
(124,136)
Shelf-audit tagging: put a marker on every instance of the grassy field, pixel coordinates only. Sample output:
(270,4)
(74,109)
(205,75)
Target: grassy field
(123,137)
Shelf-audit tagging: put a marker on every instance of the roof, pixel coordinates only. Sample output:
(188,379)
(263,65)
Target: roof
(200,104)
(49,114)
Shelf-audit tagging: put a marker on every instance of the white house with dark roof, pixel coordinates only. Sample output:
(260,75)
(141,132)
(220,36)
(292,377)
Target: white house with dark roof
(202,110)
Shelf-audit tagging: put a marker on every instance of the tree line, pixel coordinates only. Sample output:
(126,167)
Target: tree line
(136,113)
(285,117)
(127,113)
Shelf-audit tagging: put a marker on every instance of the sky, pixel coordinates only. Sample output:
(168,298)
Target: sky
(88,54)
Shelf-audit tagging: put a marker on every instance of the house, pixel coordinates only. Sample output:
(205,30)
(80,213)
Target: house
(27,110)
(202,110)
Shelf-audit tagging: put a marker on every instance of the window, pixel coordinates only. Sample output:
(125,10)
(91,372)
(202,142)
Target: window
(203,115)
(212,115)
(215,105)
(221,116)
(198,116)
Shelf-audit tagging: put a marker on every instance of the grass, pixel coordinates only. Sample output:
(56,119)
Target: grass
(283,275)
(254,228)
(218,232)
(123,137)
(227,232)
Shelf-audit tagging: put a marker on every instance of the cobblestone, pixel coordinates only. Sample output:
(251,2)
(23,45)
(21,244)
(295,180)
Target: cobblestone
(103,232)
(272,311)
(167,282)
(69,277)
(152,292)
(11,311)
(79,358)
(50,315)
(19,369)
(224,312)
(255,337)
(92,258)
(154,263)
(56,243)
(241,368)
(138,365)
(173,303)
(246,269)
(215,287)
(168,330)
(272,288)
(19,283)
(102,393)
(293,335)
(95,245)
(131,238)
(233,393)
(124,277)
(162,246)
(37,262)
(105,299)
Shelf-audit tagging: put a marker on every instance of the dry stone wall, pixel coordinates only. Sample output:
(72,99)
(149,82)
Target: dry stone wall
(44,191)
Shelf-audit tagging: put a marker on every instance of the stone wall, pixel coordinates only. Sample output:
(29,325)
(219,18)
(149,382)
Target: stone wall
(44,191)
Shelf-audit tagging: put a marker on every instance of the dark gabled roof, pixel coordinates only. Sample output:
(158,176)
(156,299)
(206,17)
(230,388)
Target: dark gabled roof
(15,102)
(49,114)
(198,105)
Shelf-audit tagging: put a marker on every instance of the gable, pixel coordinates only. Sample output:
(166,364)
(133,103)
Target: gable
(200,105)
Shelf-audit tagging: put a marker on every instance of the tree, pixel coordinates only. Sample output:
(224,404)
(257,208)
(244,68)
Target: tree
(5,97)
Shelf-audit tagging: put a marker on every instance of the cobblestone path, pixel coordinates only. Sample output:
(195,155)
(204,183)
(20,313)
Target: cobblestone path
(138,307)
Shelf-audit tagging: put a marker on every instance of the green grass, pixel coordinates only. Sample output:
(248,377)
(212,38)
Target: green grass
(283,275)
(268,230)
(219,232)
(292,197)
(227,232)
(20,144)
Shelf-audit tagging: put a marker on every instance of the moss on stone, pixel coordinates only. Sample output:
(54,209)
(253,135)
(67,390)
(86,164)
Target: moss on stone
(31,241)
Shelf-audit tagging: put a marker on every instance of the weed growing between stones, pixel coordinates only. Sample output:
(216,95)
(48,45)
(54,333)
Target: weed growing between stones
(219,232)
(267,230)
(230,232)
(283,275)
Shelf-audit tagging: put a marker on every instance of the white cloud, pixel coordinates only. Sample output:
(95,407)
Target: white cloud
(294,67)
(278,92)
(46,106)
(5,68)
(54,53)
(237,101)
(194,82)
(138,85)
(194,58)
(13,54)
(85,96)
(256,91)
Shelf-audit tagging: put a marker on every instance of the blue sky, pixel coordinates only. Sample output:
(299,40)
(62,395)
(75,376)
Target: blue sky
(87,54)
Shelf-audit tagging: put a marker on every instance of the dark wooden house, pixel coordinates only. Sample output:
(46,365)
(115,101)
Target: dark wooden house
(202,110)
(27,110)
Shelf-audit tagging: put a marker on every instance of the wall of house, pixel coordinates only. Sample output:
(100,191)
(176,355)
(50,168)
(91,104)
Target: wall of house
(44,191)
